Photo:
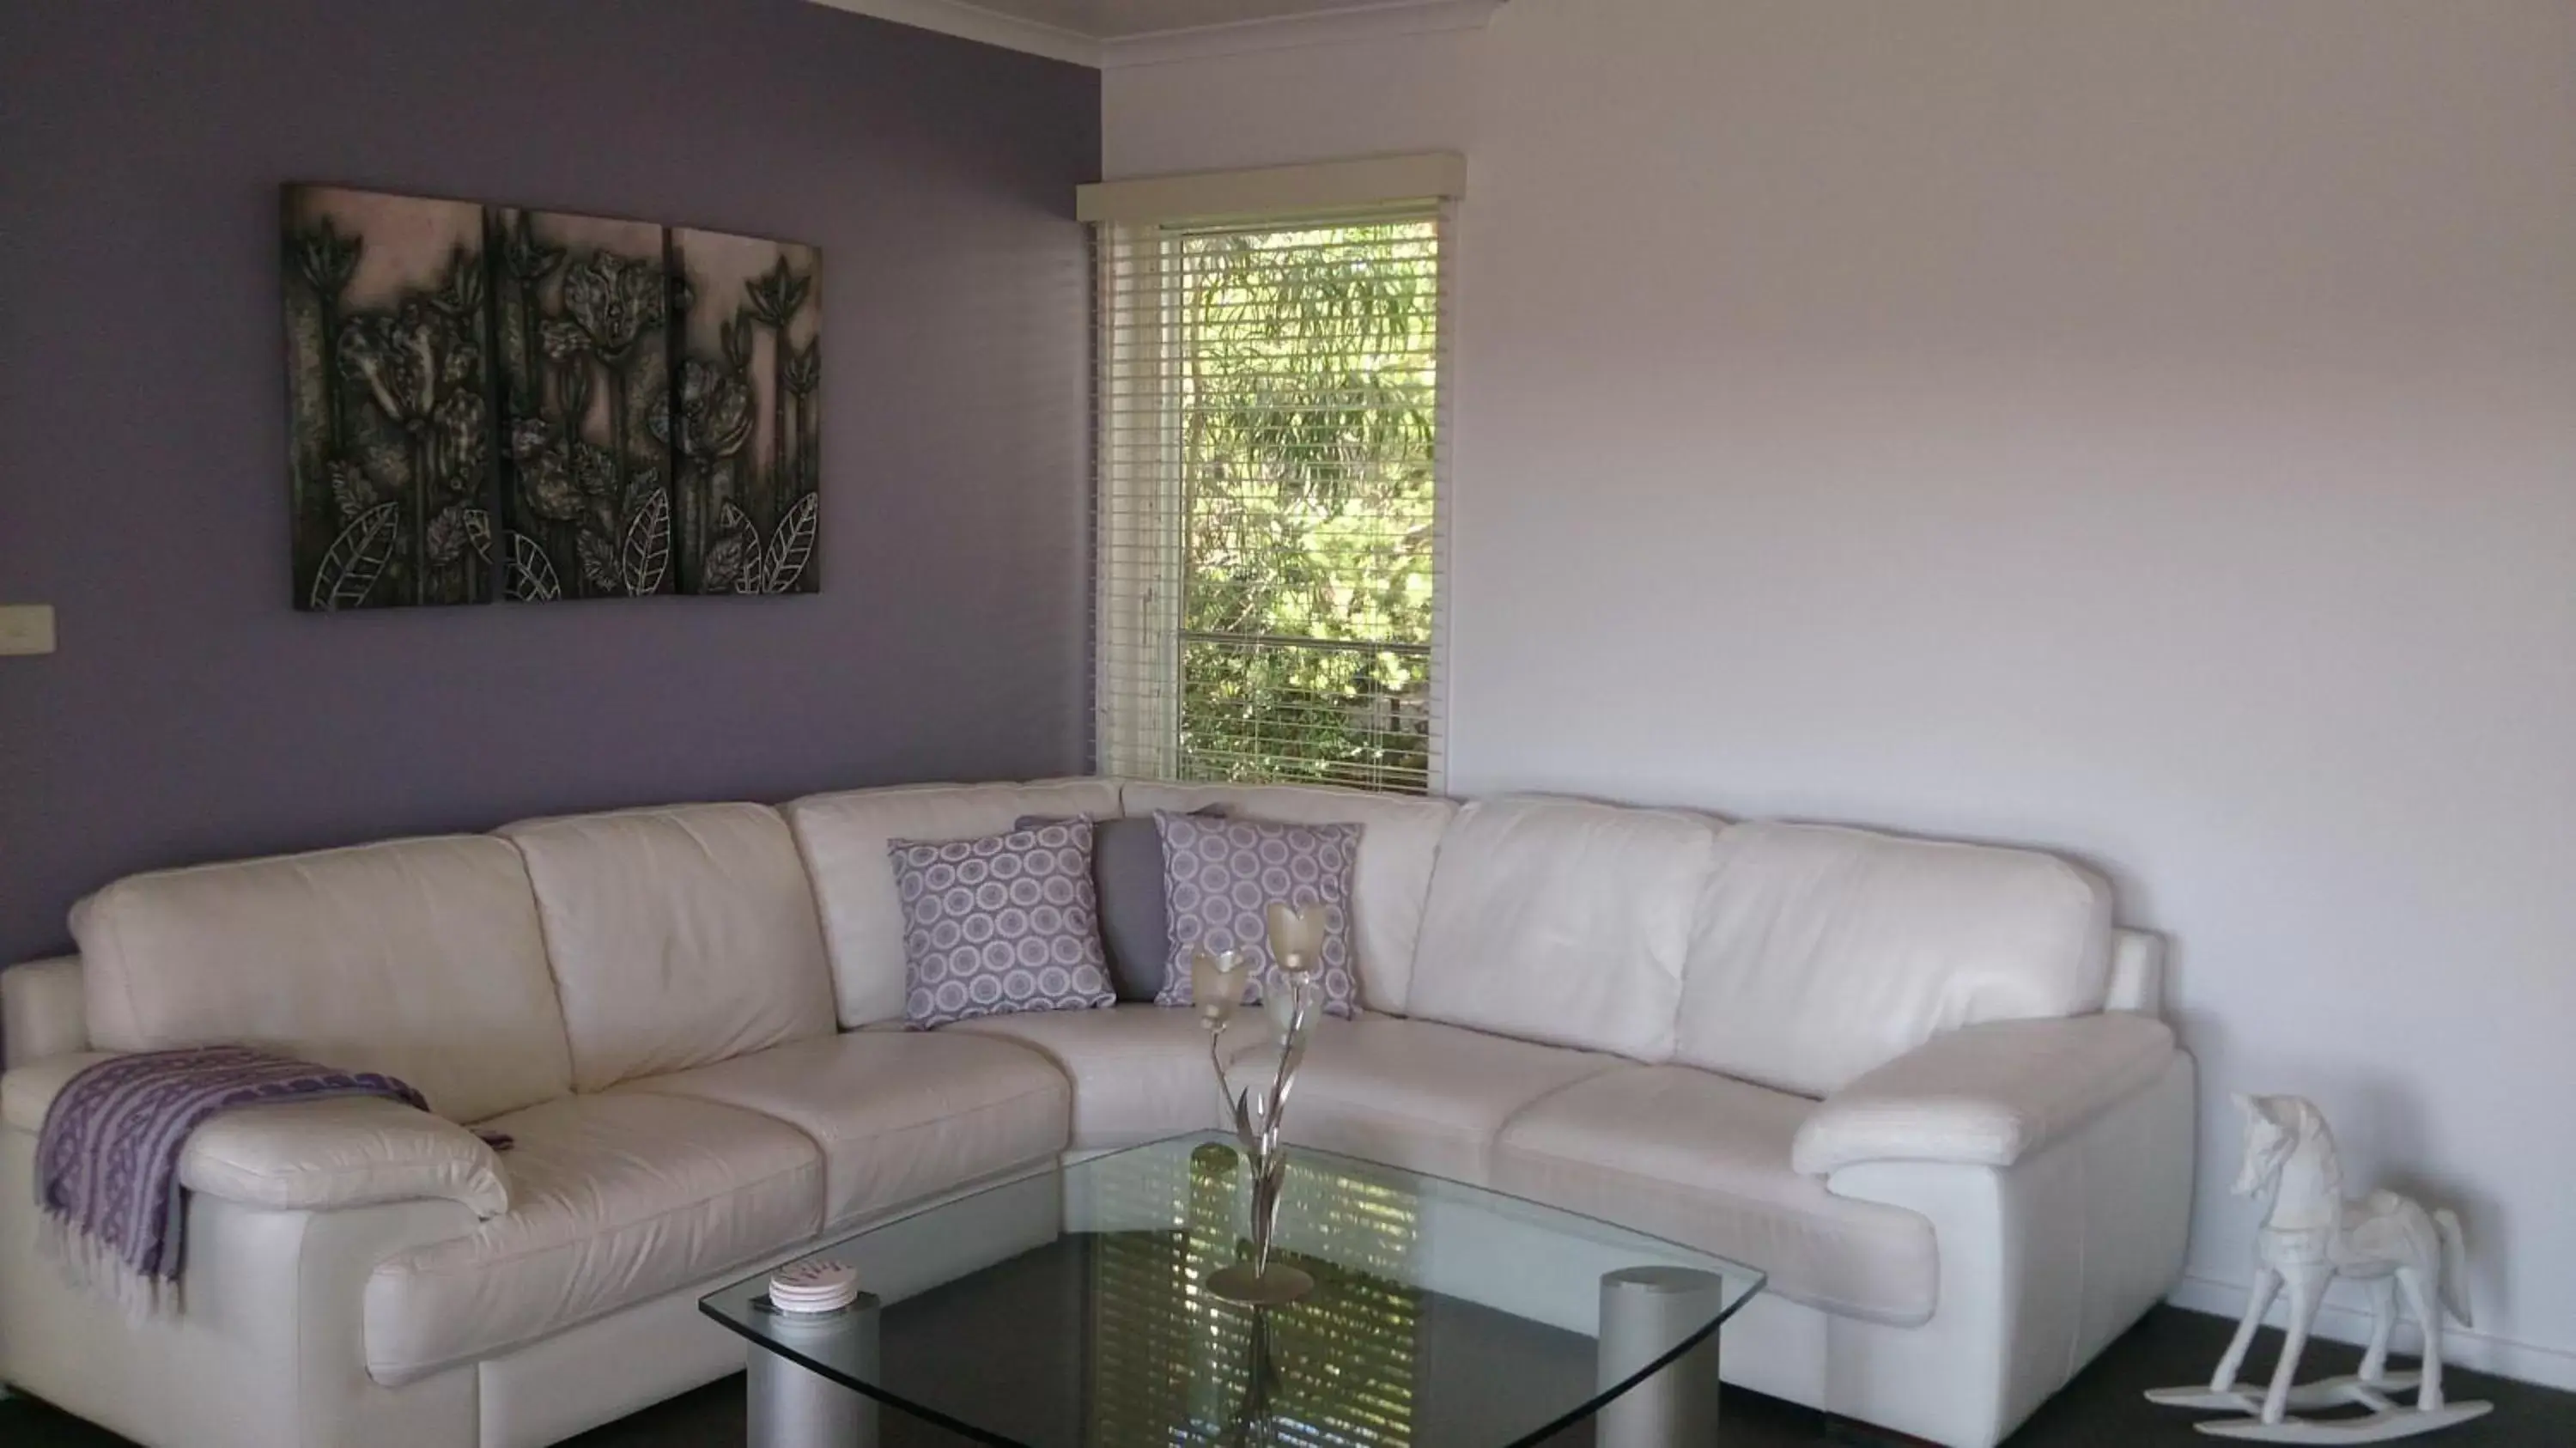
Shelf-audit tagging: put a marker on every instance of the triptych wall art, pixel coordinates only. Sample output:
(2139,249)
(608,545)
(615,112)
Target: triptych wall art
(492,402)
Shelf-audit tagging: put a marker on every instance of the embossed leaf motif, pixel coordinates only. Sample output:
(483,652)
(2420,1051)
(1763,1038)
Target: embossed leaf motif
(444,540)
(723,565)
(792,544)
(754,577)
(647,552)
(598,561)
(532,576)
(352,491)
(357,558)
(478,533)
(733,562)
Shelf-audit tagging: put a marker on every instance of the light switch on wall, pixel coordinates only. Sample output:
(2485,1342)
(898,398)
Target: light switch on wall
(26,628)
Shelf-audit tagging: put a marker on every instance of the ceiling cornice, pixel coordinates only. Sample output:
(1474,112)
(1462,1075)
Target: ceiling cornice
(1361,22)
(1286,32)
(974,22)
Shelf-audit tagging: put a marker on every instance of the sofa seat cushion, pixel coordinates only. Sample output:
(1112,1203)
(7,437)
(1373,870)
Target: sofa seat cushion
(613,1199)
(1139,1073)
(1703,1159)
(899,1115)
(1419,1094)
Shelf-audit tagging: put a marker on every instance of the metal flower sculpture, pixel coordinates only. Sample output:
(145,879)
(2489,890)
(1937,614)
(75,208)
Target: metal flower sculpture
(1294,998)
(577,401)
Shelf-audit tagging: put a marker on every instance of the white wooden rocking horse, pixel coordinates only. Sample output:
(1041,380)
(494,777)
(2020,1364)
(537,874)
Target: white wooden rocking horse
(2310,1235)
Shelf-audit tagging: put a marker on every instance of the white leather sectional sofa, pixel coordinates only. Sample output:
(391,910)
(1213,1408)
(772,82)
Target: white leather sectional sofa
(1923,1085)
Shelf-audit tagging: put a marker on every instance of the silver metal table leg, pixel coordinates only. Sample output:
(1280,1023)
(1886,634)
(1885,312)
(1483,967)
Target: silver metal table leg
(1644,1311)
(791,1406)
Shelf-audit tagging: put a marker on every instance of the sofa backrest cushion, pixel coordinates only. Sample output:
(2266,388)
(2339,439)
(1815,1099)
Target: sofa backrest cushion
(419,958)
(679,936)
(844,836)
(1824,952)
(1564,921)
(1400,839)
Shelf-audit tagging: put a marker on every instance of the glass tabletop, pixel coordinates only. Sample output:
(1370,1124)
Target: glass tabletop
(1066,1309)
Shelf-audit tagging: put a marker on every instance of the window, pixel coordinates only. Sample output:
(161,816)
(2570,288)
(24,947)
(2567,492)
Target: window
(1269,541)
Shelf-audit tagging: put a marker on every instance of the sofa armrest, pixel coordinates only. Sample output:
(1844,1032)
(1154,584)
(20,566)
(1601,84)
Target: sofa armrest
(42,1012)
(340,1151)
(1986,1095)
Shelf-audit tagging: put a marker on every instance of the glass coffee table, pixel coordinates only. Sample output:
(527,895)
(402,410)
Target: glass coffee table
(1066,1309)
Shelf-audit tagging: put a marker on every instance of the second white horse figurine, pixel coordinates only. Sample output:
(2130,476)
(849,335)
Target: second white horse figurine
(2311,1235)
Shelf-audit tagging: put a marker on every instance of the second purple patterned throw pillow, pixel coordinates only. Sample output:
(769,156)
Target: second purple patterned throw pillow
(1006,923)
(1219,878)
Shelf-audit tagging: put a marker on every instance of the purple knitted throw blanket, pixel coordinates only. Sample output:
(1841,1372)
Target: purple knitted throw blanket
(107,1164)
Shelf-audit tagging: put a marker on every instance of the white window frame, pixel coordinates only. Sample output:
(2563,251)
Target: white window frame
(1139,504)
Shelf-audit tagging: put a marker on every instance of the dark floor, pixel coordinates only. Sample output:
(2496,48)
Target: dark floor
(2102,1407)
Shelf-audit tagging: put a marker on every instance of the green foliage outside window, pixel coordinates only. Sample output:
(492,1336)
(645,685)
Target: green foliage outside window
(1308,410)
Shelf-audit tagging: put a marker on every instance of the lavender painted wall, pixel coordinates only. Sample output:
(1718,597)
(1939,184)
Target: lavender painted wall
(191,714)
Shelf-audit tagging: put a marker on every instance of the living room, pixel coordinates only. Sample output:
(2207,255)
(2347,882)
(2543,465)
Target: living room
(2129,432)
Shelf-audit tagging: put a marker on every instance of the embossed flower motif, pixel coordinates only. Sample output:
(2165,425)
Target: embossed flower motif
(407,361)
(614,300)
(715,412)
(529,259)
(464,436)
(326,259)
(547,485)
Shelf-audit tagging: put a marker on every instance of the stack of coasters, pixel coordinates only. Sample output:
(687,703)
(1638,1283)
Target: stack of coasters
(814,1287)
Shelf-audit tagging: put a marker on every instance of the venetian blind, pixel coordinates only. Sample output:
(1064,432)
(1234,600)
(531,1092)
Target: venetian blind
(1271,433)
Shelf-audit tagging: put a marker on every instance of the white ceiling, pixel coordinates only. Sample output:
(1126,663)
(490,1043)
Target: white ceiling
(1117,32)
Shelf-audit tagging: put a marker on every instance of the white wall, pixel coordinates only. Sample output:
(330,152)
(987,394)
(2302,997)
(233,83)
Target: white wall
(2144,428)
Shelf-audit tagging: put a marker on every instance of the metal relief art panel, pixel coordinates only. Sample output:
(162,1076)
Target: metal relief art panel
(492,401)
(747,431)
(392,489)
(581,307)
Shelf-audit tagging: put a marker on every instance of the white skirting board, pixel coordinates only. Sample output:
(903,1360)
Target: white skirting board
(2550,1367)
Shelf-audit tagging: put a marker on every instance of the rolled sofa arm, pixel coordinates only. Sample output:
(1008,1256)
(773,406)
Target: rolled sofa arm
(342,1151)
(1986,1095)
(42,1010)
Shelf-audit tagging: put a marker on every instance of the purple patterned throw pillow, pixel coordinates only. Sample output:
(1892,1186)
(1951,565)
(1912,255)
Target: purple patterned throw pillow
(1001,924)
(1219,878)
